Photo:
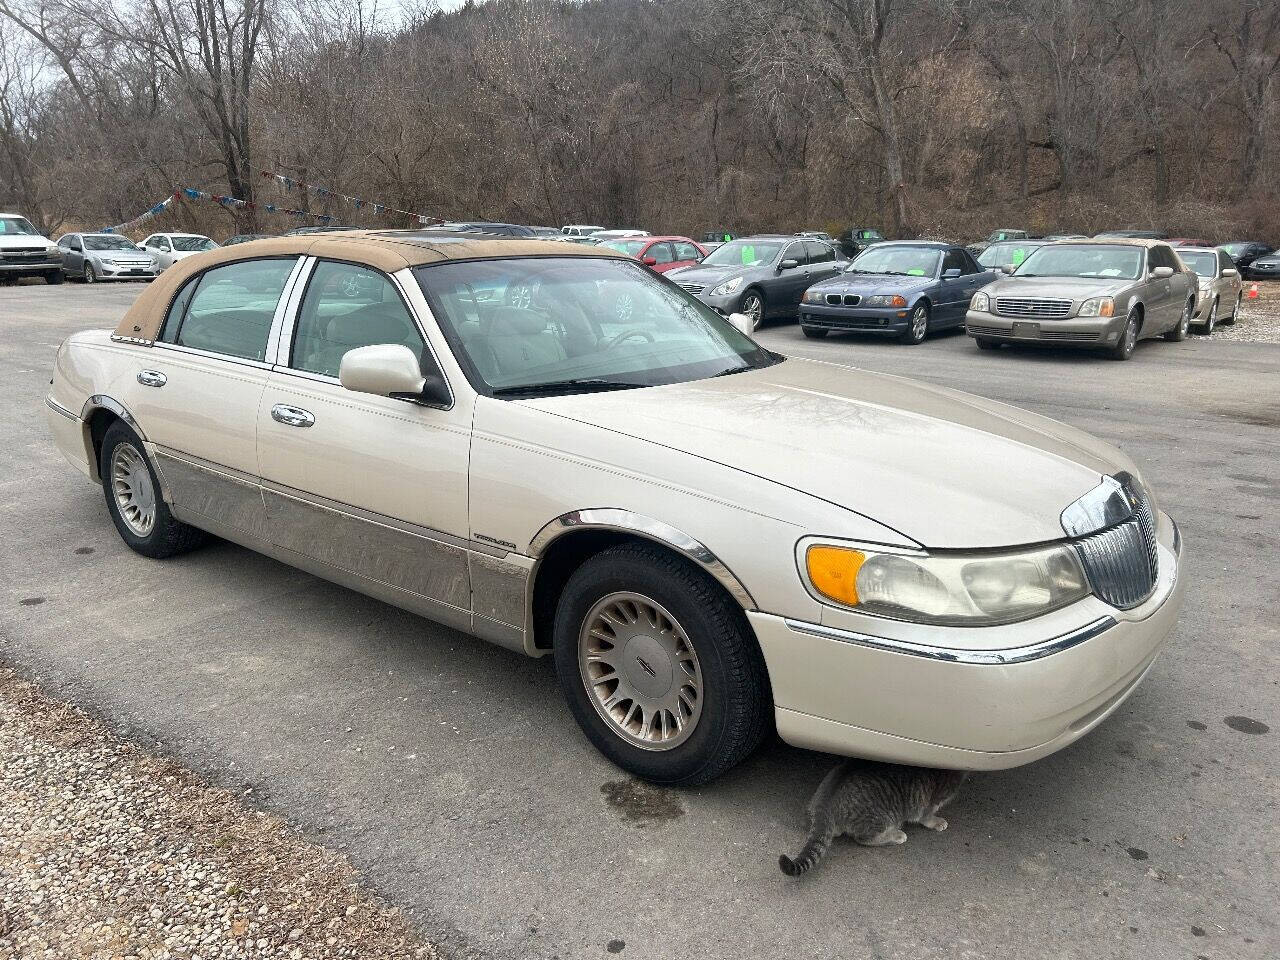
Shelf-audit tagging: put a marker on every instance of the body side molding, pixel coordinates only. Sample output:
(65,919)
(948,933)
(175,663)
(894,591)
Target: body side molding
(626,521)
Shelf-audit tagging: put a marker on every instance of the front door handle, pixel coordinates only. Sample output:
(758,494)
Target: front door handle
(292,416)
(152,378)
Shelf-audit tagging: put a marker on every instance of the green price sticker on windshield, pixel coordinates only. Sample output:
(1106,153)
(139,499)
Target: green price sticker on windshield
(915,272)
(748,255)
(1019,256)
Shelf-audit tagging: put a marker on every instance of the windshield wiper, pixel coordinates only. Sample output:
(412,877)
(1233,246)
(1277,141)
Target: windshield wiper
(731,371)
(562,386)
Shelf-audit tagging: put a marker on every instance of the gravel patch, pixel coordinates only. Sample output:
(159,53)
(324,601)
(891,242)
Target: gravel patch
(107,851)
(1259,319)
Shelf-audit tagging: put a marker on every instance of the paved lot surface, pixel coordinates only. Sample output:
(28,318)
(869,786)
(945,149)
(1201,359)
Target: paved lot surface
(452,774)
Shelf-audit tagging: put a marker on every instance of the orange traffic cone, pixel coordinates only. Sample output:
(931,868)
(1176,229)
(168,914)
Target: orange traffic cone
(1253,292)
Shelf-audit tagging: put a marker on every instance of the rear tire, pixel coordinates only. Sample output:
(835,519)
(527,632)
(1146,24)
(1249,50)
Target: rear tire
(814,333)
(639,633)
(133,498)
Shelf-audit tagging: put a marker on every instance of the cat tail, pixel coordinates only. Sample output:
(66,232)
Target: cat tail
(814,849)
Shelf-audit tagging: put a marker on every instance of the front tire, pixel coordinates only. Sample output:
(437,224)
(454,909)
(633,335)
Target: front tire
(986,343)
(1179,333)
(814,333)
(1128,339)
(53,278)
(133,498)
(917,325)
(659,666)
(1235,313)
(89,275)
(752,304)
(1210,320)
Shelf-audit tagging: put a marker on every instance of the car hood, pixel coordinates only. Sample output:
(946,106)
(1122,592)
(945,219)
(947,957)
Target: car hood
(123,256)
(1075,288)
(22,241)
(706,275)
(944,468)
(872,283)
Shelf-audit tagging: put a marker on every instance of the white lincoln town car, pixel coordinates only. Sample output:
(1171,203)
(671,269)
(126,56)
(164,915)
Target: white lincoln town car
(555,449)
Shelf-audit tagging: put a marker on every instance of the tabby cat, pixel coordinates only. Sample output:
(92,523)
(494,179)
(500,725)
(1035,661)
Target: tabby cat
(871,802)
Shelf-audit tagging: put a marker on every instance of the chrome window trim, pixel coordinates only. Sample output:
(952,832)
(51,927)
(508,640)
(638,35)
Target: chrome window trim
(1008,655)
(421,313)
(280,326)
(626,521)
(211,355)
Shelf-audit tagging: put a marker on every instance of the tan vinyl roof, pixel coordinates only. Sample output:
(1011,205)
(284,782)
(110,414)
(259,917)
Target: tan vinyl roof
(1118,241)
(386,250)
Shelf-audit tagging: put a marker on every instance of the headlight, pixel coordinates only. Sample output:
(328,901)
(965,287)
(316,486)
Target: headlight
(980,302)
(727,287)
(813,295)
(961,589)
(884,300)
(1098,307)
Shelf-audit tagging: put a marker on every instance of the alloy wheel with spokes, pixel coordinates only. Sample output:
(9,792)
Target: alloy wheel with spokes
(134,493)
(753,307)
(89,275)
(918,328)
(641,670)
(1179,332)
(1211,319)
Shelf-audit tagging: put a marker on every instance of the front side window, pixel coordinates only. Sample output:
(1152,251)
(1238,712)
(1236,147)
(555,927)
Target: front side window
(631,248)
(745,253)
(231,310)
(347,306)
(552,325)
(687,251)
(661,252)
(820,252)
(898,261)
(193,244)
(162,243)
(1113,262)
(17,227)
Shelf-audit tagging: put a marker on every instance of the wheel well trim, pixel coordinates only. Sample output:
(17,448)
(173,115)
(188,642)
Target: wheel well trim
(102,401)
(621,520)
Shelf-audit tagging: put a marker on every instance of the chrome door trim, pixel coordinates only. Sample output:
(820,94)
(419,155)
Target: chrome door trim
(152,378)
(285,308)
(211,355)
(56,407)
(626,521)
(1031,651)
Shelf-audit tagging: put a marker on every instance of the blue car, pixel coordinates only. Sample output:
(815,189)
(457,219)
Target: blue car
(903,287)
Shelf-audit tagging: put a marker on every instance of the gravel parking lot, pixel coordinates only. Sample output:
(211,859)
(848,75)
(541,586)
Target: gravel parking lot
(452,776)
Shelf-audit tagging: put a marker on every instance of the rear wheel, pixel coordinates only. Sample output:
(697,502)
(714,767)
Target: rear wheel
(917,326)
(133,498)
(814,333)
(659,666)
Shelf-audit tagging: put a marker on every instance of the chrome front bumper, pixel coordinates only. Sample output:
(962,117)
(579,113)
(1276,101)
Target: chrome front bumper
(927,704)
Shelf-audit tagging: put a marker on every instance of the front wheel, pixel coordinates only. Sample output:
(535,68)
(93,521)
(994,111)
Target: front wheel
(1235,311)
(753,306)
(986,343)
(1210,319)
(133,498)
(814,333)
(53,278)
(89,275)
(1128,340)
(1179,332)
(918,327)
(659,666)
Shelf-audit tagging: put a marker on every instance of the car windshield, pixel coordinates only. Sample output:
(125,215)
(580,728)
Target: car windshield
(630,247)
(744,253)
(1203,263)
(898,261)
(549,325)
(1236,249)
(1111,261)
(193,244)
(17,227)
(108,242)
(999,254)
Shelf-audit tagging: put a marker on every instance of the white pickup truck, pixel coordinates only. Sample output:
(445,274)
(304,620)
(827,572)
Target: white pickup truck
(25,252)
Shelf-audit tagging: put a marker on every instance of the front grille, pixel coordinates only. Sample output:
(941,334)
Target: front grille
(1032,308)
(1121,561)
(694,288)
(23,253)
(981,331)
(848,300)
(1067,335)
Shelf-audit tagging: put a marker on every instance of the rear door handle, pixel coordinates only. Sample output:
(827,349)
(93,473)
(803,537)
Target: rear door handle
(152,378)
(292,416)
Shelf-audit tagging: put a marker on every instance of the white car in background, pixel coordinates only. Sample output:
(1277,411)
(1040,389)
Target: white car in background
(168,248)
(600,236)
(25,252)
(580,229)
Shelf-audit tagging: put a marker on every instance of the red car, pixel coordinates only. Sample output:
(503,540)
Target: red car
(660,253)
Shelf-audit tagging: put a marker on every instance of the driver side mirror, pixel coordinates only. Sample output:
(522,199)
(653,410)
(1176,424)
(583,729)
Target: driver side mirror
(788,264)
(742,323)
(1230,272)
(1006,268)
(1162,273)
(951,274)
(391,370)
(650,261)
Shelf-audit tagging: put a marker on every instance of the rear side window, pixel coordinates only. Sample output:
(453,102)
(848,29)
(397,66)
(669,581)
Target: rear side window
(231,310)
(177,309)
(347,306)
